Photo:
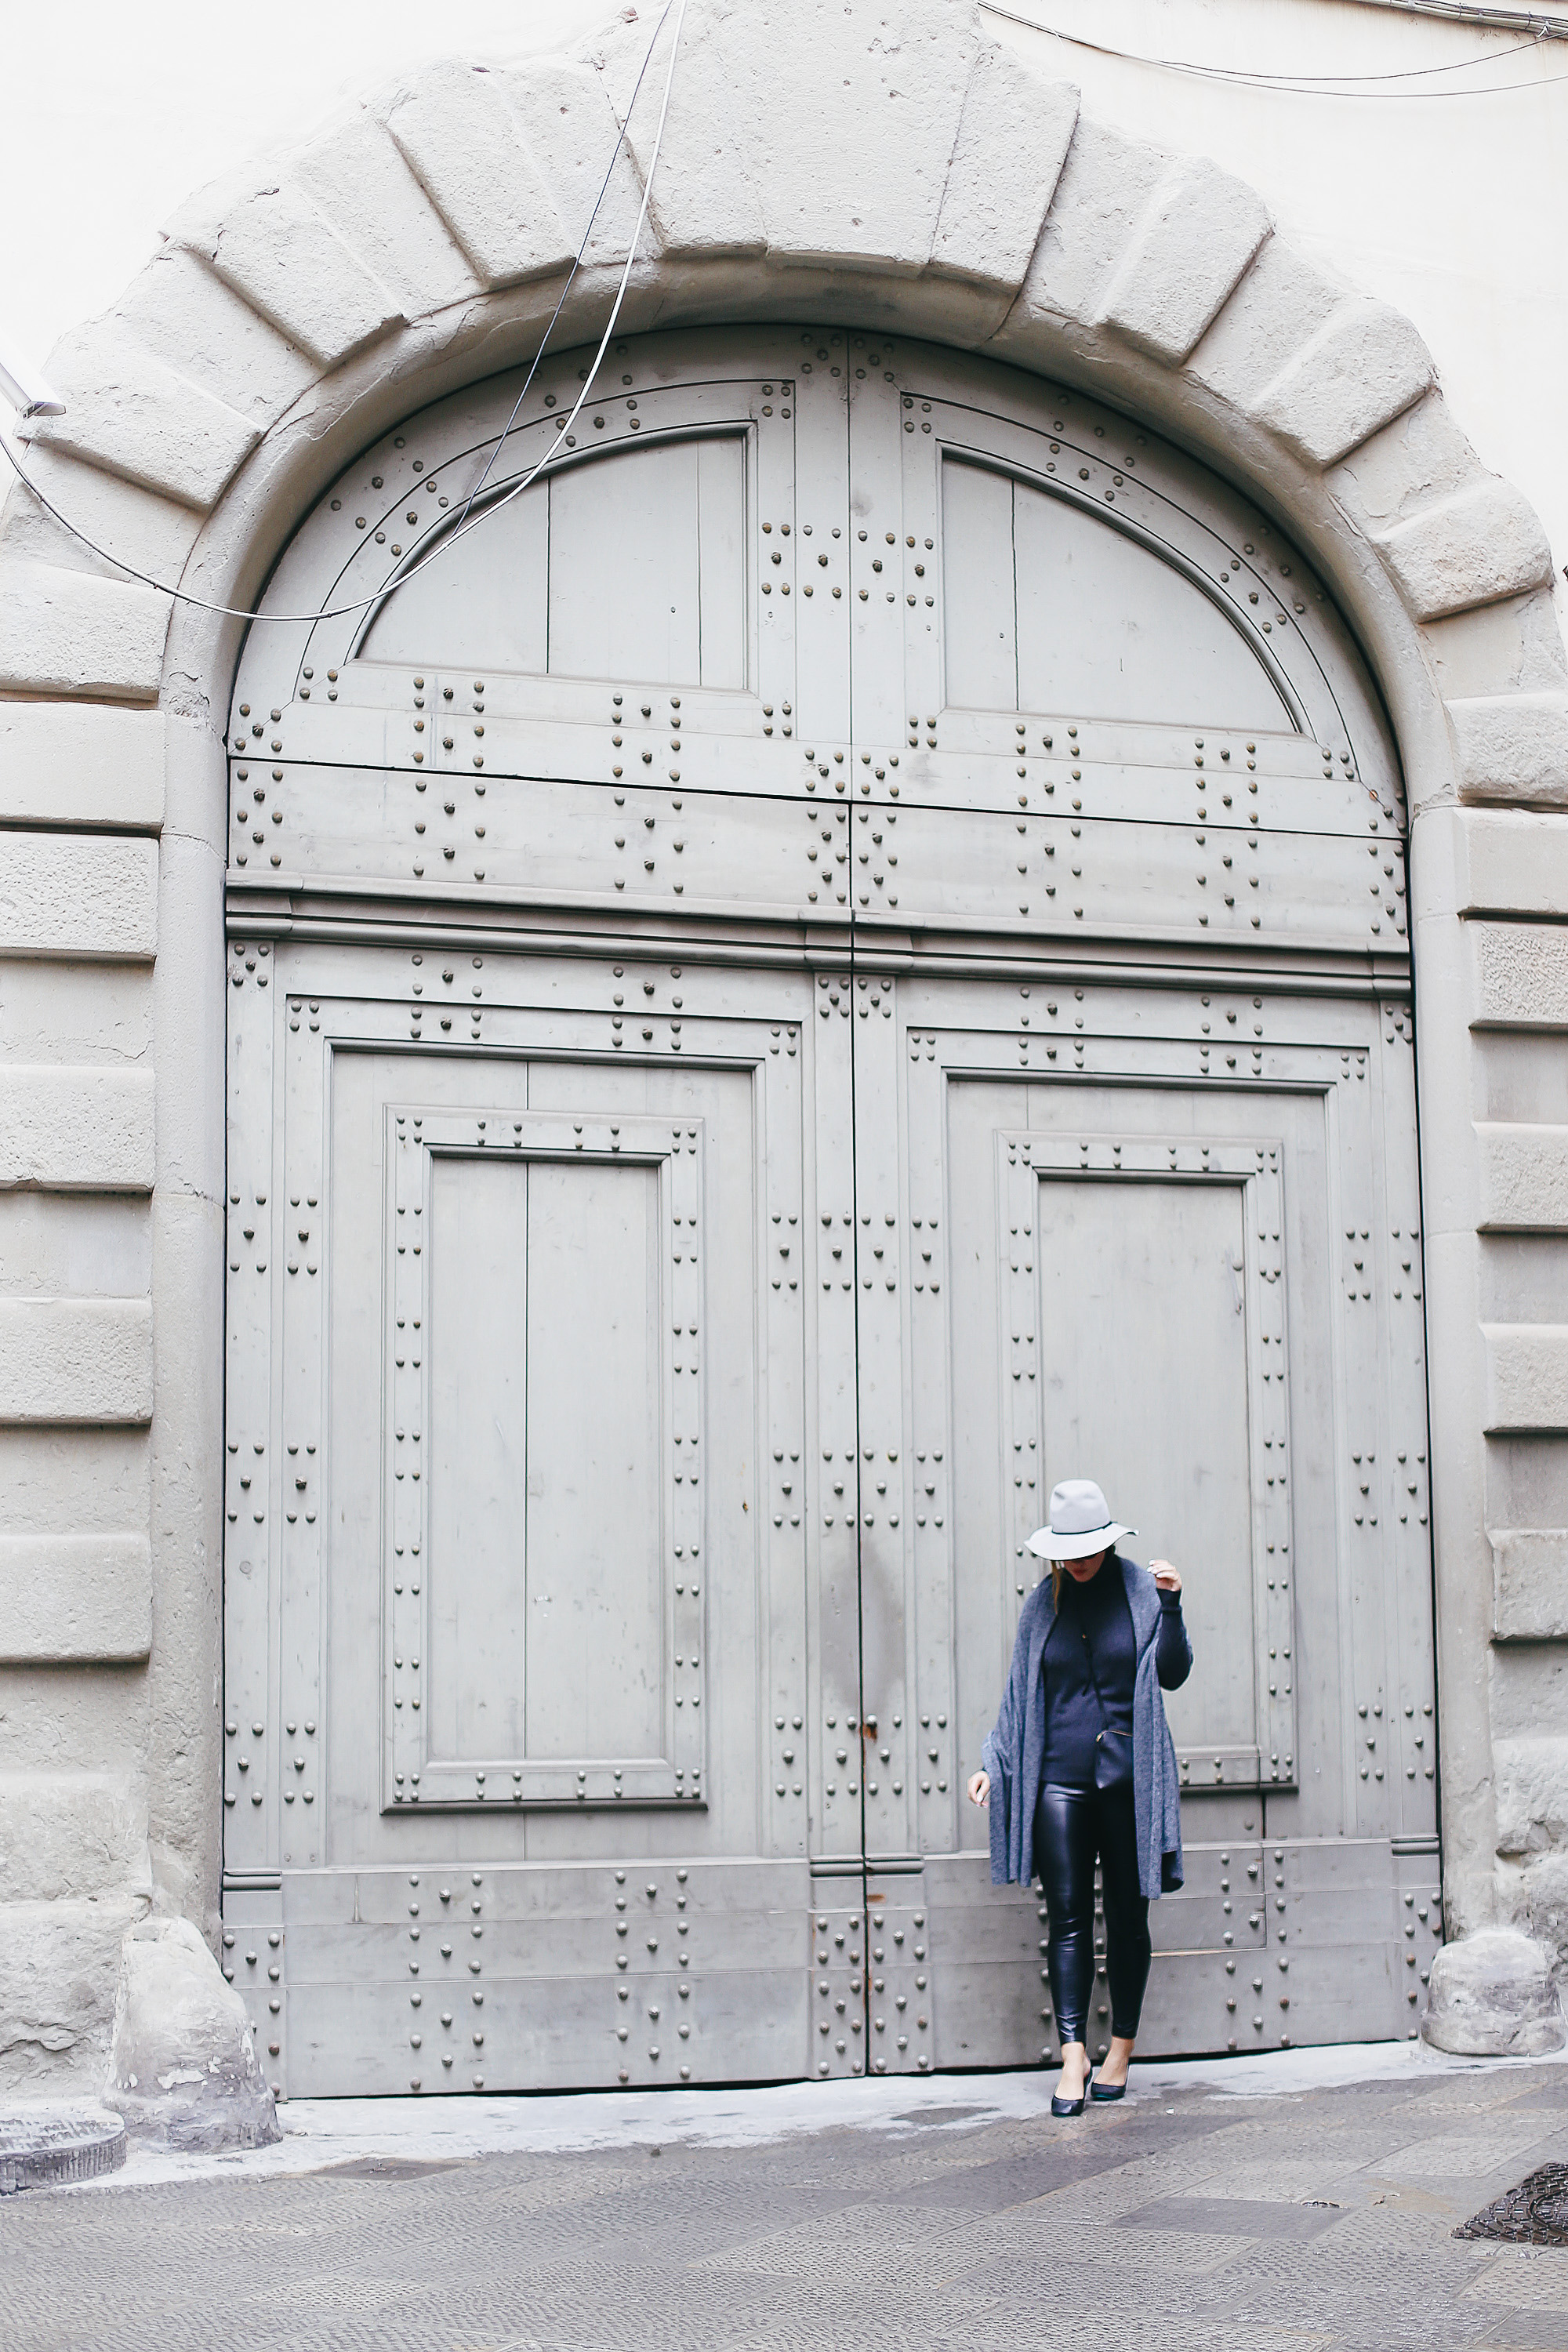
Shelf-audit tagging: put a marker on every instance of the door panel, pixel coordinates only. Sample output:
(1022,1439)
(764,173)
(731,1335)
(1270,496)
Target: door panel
(547,1399)
(645,577)
(1159,1305)
(1160,1299)
(546,1512)
(1138,1288)
(1053,608)
(837,960)
(546,1287)
(1122,1266)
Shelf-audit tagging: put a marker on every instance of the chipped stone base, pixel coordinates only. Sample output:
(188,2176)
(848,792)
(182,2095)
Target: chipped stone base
(1492,1995)
(182,2068)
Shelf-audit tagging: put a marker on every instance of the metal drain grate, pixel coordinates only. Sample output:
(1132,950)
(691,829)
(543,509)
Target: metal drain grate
(1533,2214)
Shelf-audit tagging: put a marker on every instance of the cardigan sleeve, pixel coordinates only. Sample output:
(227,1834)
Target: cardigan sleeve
(1172,1650)
(1000,1753)
(1000,1741)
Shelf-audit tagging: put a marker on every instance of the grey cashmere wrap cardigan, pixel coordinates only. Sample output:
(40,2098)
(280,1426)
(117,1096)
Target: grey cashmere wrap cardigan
(1015,1750)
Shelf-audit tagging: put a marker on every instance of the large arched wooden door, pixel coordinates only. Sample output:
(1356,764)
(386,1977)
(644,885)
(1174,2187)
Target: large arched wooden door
(839,959)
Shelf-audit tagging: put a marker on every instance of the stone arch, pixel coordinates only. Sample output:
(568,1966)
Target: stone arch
(294,311)
(883,162)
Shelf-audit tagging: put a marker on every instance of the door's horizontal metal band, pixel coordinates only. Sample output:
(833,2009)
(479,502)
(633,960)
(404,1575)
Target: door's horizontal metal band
(397,914)
(1140,884)
(506,1800)
(978,780)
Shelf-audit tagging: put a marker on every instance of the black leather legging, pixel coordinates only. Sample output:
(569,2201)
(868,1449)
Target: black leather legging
(1072,1826)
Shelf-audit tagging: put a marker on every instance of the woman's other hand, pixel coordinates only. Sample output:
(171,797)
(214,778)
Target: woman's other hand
(1164,1576)
(980,1789)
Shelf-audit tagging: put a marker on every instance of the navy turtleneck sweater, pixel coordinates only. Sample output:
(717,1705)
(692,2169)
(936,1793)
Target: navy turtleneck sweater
(1089,1665)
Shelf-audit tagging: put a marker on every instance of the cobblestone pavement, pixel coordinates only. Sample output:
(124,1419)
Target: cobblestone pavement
(963,2221)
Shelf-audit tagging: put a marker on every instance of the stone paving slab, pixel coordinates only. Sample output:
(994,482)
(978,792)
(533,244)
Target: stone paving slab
(1304,2204)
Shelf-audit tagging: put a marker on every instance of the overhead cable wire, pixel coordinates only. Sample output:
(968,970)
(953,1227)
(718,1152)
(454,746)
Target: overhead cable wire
(1484,19)
(465,521)
(577,258)
(1257,73)
(1341,86)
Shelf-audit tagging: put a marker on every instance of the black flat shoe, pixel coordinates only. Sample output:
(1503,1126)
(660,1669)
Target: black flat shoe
(1106,2091)
(1066,2107)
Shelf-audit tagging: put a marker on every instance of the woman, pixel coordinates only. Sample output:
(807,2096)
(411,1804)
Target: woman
(1081,1762)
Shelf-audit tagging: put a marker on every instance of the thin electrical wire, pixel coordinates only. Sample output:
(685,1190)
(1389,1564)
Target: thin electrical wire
(1292,86)
(576,265)
(1485,18)
(1248,73)
(467,522)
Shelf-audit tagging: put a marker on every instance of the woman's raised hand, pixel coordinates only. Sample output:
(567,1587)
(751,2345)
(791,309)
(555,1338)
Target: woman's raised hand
(1164,1576)
(980,1789)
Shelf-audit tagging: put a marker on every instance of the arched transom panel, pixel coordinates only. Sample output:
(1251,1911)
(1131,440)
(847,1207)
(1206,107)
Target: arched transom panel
(788,572)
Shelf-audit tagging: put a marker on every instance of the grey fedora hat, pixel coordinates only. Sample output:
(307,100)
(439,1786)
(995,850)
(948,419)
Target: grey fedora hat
(1080,1523)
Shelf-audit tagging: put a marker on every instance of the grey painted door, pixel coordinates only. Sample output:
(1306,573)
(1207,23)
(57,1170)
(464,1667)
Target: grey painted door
(837,959)
(1145,1159)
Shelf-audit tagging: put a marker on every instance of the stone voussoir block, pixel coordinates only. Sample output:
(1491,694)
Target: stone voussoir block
(568,123)
(1523,1178)
(76,1359)
(64,632)
(1527,1378)
(1013,141)
(69,506)
(1187,251)
(1105,184)
(1276,308)
(703,202)
(357,174)
(1472,546)
(182,311)
(75,1600)
(1363,366)
(81,763)
(848,160)
(1513,747)
(77,895)
(280,252)
(463,144)
(77,1130)
(133,416)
